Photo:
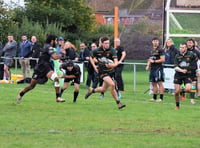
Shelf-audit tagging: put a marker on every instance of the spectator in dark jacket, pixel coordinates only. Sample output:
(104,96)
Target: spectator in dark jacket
(121,54)
(92,74)
(35,49)
(170,53)
(70,51)
(84,53)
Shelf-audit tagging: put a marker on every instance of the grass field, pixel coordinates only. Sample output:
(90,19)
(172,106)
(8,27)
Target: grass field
(40,122)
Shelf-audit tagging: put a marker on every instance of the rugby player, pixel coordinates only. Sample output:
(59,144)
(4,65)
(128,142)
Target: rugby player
(72,73)
(44,69)
(183,72)
(107,61)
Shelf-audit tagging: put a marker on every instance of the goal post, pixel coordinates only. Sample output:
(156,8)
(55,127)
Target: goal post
(184,17)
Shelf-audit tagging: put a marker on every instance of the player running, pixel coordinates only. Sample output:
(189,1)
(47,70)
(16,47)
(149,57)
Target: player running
(105,55)
(72,73)
(44,69)
(183,71)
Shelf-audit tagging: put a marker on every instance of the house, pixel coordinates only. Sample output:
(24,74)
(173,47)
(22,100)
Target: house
(103,17)
(188,3)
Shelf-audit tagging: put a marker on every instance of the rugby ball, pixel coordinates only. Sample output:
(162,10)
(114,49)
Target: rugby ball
(110,61)
(105,60)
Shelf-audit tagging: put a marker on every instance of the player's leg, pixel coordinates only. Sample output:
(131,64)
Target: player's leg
(108,82)
(161,91)
(101,89)
(177,95)
(76,91)
(53,76)
(155,91)
(26,89)
(65,86)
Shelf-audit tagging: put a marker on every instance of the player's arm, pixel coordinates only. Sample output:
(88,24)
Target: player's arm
(54,55)
(92,61)
(161,60)
(68,76)
(122,57)
(148,65)
(114,64)
(115,60)
(178,69)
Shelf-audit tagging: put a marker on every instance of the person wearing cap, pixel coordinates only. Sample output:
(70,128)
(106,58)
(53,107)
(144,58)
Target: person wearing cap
(60,42)
(72,72)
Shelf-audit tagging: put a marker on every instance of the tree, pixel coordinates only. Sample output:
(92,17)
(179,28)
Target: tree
(72,15)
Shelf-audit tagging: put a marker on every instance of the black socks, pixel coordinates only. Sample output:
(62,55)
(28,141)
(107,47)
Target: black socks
(75,96)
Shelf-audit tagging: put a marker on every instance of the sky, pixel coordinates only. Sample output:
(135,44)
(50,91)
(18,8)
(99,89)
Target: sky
(19,2)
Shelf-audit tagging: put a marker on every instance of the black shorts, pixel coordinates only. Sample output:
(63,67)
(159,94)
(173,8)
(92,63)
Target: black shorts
(41,71)
(156,75)
(182,79)
(76,80)
(193,75)
(102,75)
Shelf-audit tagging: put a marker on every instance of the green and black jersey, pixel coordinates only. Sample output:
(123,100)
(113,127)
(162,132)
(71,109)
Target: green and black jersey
(103,56)
(184,61)
(156,54)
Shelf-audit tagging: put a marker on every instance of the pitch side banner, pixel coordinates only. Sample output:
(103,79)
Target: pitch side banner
(81,65)
(169,78)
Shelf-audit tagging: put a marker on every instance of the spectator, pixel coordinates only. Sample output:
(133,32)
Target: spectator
(9,50)
(35,49)
(84,56)
(70,51)
(25,54)
(60,42)
(170,53)
(84,53)
(121,54)
(92,74)
(101,96)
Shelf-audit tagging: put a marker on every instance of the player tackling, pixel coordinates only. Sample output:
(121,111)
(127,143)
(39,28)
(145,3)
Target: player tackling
(44,69)
(105,69)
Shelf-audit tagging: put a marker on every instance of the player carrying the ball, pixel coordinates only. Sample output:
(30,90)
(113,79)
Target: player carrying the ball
(106,58)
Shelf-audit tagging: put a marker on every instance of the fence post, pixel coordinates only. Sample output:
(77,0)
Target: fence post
(134,77)
(15,65)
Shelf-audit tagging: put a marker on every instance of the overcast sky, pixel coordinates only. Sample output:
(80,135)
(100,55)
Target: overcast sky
(19,2)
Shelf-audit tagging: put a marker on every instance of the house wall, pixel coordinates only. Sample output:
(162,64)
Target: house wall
(188,2)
